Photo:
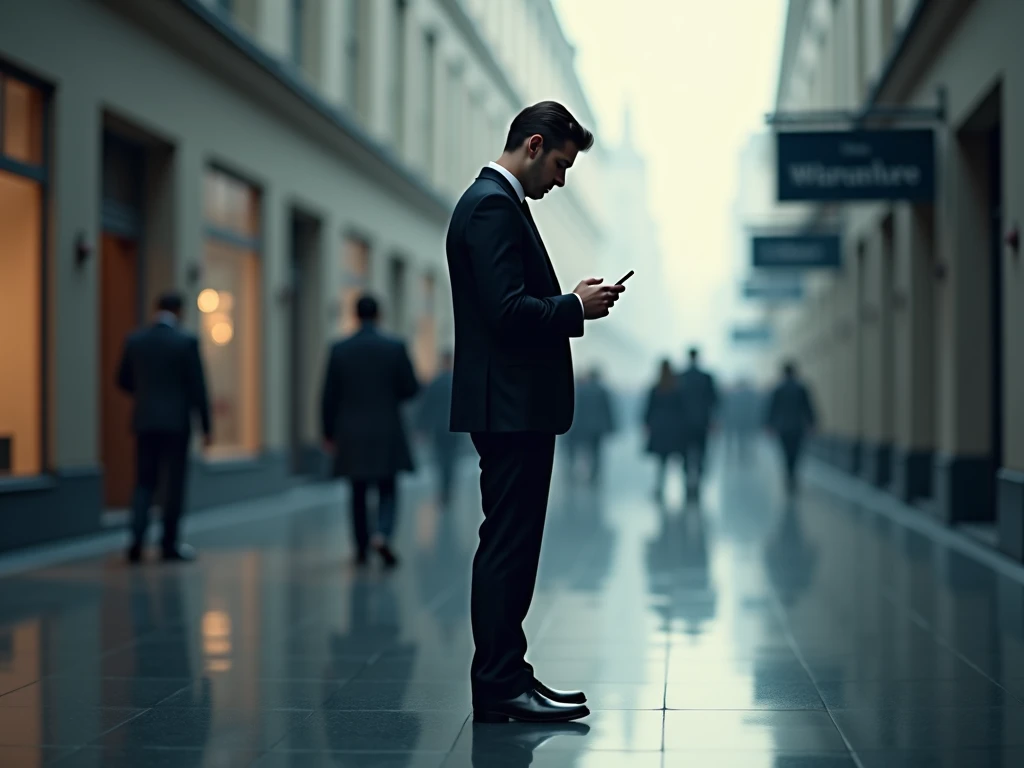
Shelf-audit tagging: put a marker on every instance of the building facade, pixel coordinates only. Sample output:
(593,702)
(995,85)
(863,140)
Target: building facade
(271,159)
(914,346)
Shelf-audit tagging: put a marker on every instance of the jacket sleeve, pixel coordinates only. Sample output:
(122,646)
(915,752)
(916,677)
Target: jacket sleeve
(197,384)
(329,397)
(496,262)
(408,385)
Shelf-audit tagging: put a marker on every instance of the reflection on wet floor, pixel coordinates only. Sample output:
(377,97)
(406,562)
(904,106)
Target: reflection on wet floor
(740,631)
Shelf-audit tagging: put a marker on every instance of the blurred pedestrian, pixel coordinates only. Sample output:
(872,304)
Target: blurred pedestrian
(698,399)
(662,420)
(593,421)
(791,416)
(161,368)
(432,421)
(369,377)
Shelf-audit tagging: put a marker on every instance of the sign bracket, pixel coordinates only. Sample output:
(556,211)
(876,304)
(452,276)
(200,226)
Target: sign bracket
(861,117)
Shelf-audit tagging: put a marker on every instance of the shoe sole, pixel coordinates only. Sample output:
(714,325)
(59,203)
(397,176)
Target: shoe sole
(499,717)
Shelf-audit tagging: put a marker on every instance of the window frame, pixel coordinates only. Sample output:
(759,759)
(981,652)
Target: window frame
(41,175)
(253,243)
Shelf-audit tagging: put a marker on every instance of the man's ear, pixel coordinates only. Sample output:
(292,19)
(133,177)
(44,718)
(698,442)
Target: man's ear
(535,146)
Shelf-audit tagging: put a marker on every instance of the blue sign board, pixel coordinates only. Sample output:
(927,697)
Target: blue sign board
(752,334)
(773,290)
(856,165)
(797,251)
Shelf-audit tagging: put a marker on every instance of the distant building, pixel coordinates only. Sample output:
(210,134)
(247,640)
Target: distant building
(272,159)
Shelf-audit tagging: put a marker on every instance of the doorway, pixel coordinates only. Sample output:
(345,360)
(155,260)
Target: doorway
(120,307)
(304,343)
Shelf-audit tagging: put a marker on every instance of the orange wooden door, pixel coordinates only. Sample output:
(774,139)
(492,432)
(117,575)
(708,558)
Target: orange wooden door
(119,315)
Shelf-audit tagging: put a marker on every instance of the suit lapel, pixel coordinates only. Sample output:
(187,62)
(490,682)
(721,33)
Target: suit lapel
(536,233)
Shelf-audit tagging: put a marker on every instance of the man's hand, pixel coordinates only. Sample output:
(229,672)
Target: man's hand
(597,298)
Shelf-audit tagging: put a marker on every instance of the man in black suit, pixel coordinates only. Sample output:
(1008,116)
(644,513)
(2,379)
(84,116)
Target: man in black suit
(512,390)
(699,398)
(369,376)
(791,416)
(161,368)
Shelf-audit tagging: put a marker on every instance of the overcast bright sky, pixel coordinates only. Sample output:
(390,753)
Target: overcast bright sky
(700,76)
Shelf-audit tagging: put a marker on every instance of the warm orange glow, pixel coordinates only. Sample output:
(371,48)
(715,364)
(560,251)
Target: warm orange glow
(222,333)
(208,300)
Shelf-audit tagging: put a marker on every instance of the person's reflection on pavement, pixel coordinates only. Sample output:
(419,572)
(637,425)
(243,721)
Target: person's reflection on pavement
(442,567)
(512,745)
(579,552)
(789,557)
(374,619)
(677,560)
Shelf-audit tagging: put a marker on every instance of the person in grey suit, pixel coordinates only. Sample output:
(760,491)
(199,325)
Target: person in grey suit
(369,377)
(433,415)
(791,416)
(163,371)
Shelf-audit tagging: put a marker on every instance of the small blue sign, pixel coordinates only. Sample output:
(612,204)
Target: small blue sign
(752,334)
(773,290)
(856,165)
(797,252)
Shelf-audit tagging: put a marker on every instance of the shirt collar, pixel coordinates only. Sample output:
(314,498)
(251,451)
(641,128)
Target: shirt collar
(511,179)
(167,318)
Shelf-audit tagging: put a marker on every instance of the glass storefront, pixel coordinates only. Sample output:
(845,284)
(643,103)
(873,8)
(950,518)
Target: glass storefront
(229,308)
(22,177)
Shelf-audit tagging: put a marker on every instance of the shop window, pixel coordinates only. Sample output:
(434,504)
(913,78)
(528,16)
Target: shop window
(355,270)
(22,183)
(230,314)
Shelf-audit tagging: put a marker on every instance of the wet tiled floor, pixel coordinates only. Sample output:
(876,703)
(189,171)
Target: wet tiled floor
(738,632)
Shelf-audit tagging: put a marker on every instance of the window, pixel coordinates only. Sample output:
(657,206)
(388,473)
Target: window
(398,76)
(298,21)
(355,270)
(396,306)
(229,308)
(22,180)
(429,103)
(358,50)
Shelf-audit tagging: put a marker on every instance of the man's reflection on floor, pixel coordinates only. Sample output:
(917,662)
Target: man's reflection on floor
(578,542)
(512,745)
(677,560)
(789,557)
(442,565)
(374,613)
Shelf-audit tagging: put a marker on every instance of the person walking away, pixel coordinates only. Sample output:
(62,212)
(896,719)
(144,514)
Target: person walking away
(698,399)
(369,377)
(433,417)
(791,416)
(662,420)
(512,391)
(162,370)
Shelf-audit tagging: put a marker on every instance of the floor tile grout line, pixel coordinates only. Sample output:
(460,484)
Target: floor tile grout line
(795,647)
(837,483)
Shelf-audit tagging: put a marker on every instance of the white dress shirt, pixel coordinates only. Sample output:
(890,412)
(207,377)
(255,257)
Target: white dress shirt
(518,187)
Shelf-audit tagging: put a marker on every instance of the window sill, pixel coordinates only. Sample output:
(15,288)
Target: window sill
(27,484)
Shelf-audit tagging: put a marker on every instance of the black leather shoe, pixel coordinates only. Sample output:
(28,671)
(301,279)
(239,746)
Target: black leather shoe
(183,553)
(529,707)
(561,697)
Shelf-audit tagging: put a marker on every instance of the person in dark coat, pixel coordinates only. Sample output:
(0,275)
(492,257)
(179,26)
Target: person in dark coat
(698,400)
(369,376)
(433,415)
(790,416)
(593,421)
(662,421)
(162,370)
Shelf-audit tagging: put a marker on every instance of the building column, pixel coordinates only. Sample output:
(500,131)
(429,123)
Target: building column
(847,425)
(333,58)
(381,67)
(913,336)
(274,27)
(275,317)
(74,290)
(1011,474)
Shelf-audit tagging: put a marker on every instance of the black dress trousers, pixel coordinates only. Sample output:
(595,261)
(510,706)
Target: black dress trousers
(515,477)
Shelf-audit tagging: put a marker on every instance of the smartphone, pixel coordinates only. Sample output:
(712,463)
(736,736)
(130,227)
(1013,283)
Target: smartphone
(625,278)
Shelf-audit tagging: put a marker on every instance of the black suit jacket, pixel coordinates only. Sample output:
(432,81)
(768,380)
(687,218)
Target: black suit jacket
(162,369)
(369,376)
(513,365)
